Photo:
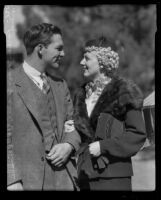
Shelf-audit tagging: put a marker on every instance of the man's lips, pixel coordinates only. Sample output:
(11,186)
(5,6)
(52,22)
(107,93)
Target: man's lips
(85,68)
(57,59)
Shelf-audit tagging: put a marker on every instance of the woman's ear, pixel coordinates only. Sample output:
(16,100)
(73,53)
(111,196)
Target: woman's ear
(102,69)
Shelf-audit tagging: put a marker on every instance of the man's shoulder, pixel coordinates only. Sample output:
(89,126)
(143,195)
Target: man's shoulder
(56,79)
(16,71)
(13,74)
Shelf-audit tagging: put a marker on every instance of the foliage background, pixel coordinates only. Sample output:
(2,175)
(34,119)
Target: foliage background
(132,27)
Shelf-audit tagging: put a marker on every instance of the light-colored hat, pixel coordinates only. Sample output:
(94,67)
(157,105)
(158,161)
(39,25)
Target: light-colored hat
(106,57)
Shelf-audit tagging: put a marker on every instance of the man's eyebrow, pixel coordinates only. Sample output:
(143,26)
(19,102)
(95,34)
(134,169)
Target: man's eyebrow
(60,46)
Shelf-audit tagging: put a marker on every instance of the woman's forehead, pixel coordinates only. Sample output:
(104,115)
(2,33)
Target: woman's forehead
(90,54)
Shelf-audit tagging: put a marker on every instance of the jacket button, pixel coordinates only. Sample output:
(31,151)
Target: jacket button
(52,136)
(95,166)
(42,158)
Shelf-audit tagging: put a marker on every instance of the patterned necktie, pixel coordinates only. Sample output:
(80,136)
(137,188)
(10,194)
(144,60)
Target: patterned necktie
(46,85)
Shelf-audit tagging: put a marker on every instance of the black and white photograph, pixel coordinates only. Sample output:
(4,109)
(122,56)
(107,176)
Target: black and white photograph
(80,97)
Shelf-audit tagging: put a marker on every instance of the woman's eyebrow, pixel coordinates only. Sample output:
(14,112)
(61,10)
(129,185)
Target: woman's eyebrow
(86,56)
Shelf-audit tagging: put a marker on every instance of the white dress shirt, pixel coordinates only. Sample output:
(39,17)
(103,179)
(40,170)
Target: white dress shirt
(33,74)
(91,102)
(91,99)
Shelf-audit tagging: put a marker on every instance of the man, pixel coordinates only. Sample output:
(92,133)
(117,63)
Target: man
(43,140)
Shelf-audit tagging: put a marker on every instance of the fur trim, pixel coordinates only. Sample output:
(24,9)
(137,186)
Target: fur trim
(81,118)
(118,97)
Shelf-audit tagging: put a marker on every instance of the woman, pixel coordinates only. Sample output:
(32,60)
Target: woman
(107,115)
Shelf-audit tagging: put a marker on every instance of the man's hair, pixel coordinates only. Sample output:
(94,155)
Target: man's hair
(39,34)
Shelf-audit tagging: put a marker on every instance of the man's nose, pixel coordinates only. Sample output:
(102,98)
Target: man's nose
(62,53)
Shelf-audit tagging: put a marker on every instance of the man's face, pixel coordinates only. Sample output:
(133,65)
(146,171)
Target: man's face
(53,53)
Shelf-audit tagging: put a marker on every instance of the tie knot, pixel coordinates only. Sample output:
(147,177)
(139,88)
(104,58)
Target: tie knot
(46,85)
(43,76)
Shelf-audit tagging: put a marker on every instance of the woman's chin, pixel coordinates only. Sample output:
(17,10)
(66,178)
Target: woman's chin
(88,77)
(86,74)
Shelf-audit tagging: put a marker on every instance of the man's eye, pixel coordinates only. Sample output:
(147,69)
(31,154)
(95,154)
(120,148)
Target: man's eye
(59,48)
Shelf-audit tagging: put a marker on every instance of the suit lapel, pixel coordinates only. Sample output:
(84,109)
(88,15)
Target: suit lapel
(59,98)
(27,95)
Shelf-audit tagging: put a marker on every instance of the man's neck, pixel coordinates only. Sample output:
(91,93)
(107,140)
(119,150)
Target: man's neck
(35,64)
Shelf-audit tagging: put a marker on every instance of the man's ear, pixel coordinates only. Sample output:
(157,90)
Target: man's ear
(39,49)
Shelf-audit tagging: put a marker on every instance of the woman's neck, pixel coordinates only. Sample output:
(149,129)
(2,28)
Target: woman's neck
(102,78)
(97,85)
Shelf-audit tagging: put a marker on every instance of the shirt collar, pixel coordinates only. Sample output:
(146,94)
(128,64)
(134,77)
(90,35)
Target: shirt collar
(96,87)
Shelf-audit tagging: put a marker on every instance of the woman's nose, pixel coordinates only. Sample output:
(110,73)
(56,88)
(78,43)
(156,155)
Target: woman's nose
(82,61)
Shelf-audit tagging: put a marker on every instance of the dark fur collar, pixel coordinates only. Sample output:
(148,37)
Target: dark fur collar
(119,96)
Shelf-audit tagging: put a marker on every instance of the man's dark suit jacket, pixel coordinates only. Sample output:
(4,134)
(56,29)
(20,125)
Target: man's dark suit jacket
(25,146)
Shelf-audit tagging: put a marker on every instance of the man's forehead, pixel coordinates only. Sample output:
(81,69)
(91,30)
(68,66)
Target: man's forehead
(57,39)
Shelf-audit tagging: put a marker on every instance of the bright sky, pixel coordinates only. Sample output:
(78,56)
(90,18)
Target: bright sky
(12,15)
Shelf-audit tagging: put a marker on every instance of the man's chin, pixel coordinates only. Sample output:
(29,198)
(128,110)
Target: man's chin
(55,65)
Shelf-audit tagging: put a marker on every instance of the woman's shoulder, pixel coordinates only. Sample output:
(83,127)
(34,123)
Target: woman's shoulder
(128,92)
(125,84)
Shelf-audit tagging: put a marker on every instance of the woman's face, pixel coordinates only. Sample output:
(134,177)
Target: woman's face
(90,65)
